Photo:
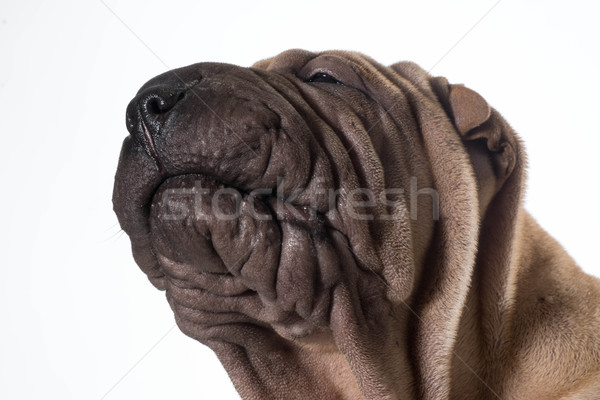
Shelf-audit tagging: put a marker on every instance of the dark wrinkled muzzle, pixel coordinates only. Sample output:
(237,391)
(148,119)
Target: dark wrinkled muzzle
(221,187)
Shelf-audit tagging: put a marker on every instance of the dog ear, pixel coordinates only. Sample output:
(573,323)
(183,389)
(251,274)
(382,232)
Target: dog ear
(468,108)
(487,136)
(499,166)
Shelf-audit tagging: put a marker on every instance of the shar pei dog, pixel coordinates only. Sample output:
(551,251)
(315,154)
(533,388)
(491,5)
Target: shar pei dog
(333,228)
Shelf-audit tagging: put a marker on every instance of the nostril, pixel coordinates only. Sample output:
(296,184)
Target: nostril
(160,100)
(155,105)
(151,107)
(162,103)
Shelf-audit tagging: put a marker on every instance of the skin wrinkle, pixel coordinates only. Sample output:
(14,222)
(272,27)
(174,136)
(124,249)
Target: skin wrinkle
(336,136)
(245,259)
(477,304)
(358,303)
(310,119)
(310,122)
(268,160)
(400,124)
(403,186)
(341,138)
(275,279)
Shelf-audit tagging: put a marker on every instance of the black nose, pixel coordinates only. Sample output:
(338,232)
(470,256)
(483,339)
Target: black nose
(148,111)
(151,107)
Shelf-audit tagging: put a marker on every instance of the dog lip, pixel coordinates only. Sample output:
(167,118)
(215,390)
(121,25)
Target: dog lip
(281,208)
(292,323)
(151,148)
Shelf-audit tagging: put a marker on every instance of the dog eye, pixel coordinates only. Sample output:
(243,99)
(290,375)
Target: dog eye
(322,77)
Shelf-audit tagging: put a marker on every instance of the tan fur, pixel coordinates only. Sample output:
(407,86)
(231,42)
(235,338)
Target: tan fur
(478,304)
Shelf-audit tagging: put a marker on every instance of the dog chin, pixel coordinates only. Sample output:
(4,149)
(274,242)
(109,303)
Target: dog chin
(235,255)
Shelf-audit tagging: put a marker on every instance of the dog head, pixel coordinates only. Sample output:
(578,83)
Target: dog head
(309,201)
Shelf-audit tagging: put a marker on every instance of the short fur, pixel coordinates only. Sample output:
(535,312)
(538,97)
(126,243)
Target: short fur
(469,301)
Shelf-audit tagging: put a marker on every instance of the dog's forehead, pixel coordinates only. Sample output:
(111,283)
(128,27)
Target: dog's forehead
(349,66)
(297,58)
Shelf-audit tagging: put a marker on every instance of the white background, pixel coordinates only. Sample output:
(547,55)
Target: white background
(77,316)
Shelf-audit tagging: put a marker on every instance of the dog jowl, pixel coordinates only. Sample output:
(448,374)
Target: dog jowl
(333,227)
